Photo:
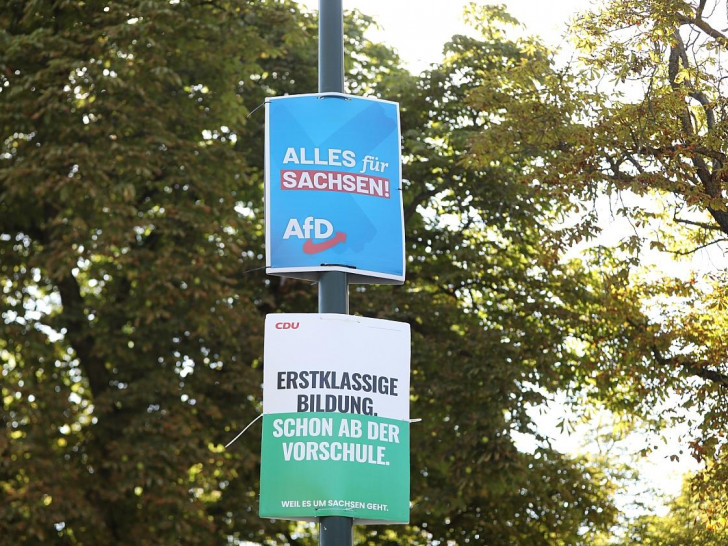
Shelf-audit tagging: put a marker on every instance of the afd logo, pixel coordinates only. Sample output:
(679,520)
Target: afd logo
(287,325)
(316,232)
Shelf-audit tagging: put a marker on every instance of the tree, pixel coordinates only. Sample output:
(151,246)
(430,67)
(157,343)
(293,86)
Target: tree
(131,243)
(640,116)
(686,523)
(127,334)
(493,311)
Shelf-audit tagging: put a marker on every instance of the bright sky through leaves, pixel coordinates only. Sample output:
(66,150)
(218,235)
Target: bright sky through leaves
(419,28)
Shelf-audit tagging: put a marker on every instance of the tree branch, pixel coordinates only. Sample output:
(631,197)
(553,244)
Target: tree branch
(659,151)
(79,335)
(709,179)
(703,225)
(699,10)
(677,53)
(721,217)
(718,36)
(694,250)
(694,368)
(710,375)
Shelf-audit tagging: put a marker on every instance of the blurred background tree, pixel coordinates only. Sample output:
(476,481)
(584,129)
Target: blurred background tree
(134,291)
(635,133)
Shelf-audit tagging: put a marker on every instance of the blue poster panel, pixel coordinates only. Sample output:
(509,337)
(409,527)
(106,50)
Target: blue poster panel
(334,188)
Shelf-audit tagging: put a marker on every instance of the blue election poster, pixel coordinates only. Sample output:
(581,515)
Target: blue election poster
(334,188)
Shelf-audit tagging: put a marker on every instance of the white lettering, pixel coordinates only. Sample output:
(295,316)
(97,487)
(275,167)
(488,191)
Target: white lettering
(293,230)
(305,161)
(319,180)
(317,159)
(349,158)
(290,156)
(323,229)
(335,158)
(277,428)
(307,225)
(289,180)
(287,450)
(305,182)
(319,228)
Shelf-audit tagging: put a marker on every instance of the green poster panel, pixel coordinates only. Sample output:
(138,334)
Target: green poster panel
(334,464)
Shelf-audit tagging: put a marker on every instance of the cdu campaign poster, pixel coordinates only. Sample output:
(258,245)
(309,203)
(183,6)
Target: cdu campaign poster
(336,429)
(334,188)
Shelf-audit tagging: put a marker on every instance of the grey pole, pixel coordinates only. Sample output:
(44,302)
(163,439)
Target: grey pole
(333,294)
(333,285)
(331,47)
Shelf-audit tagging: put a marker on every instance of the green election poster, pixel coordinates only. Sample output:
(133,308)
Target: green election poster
(336,418)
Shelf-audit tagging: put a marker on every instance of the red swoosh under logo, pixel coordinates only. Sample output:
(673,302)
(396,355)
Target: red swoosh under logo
(309,247)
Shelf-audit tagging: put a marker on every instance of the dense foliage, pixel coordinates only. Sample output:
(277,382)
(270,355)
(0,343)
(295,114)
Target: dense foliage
(133,289)
(635,131)
(128,336)
(694,519)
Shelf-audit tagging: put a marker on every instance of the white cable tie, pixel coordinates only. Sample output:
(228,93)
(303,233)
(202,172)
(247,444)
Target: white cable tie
(243,431)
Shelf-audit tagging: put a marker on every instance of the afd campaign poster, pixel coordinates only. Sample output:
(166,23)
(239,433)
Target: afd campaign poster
(333,194)
(335,418)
